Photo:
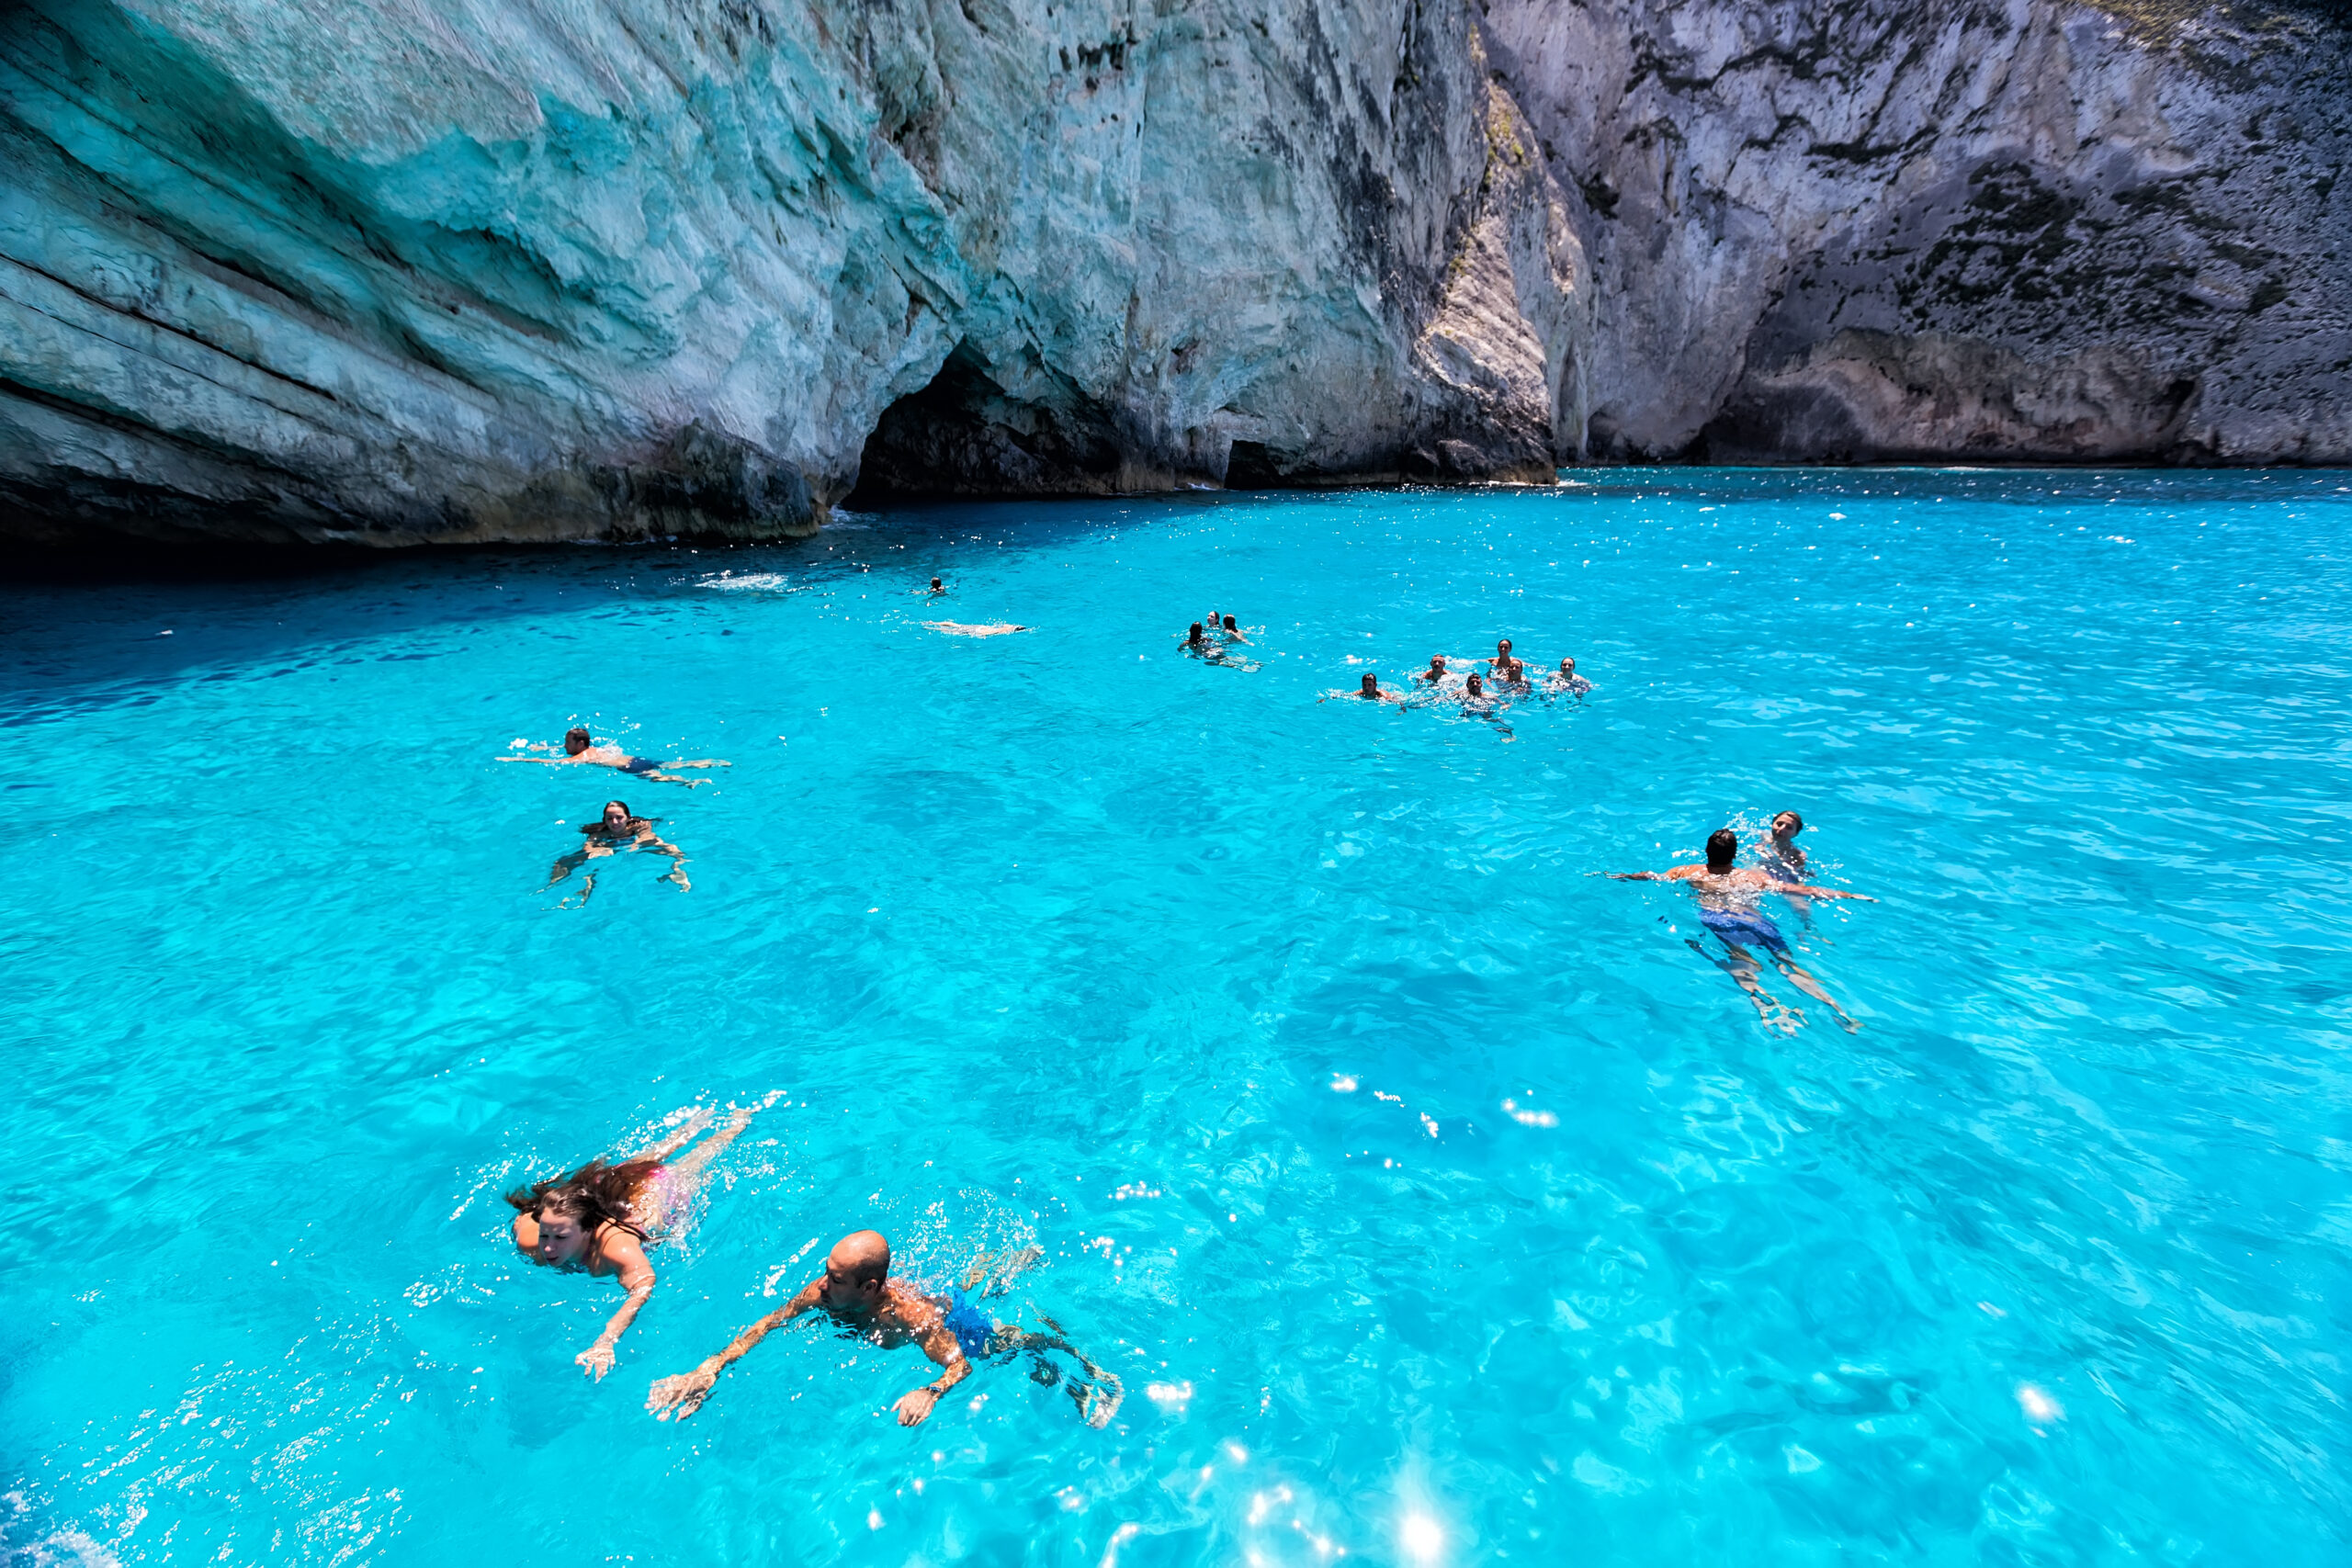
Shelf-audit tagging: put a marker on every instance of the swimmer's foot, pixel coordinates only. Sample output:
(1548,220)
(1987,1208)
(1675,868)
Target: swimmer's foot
(1101,1400)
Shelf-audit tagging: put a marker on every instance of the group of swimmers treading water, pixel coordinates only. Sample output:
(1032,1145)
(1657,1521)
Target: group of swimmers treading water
(601,1219)
(1728,898)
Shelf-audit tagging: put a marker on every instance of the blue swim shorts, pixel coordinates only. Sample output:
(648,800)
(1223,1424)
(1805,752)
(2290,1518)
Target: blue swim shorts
(972,1329)
(1745,928)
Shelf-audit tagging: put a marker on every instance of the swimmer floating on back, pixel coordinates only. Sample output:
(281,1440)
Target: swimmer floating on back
(857,1292)
(1727,906)
(599,1219)
(580,747)
(615,831)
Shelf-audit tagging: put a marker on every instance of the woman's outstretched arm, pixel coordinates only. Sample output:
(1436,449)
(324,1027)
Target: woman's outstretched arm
(637,1279)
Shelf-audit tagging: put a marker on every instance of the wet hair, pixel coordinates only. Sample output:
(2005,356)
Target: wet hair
(623,805)
(1371,682)
(1230,626)
(595,1195)
(934,582)
(1475,689)
(1195,637)
(1791,817)
(580,730)
(1722,847)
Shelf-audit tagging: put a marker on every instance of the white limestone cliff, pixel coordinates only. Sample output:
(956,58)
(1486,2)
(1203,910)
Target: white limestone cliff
(443,270)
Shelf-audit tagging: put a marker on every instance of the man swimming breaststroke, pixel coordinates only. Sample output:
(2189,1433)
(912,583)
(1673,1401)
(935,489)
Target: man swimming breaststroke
(610,834)
(858,1294)
(1727,906)
(579,746)
(599,1220)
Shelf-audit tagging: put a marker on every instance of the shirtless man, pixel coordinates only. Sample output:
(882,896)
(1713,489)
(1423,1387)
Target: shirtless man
(1727,906)
(1435,674)
(857,1292)
(1567,681)
(1232,632)
(615,831)
(580,747)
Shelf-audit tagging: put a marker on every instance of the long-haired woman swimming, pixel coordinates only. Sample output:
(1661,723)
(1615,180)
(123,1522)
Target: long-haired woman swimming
(600,1218)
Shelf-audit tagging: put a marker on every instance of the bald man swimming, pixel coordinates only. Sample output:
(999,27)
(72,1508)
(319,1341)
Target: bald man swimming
(857,1292)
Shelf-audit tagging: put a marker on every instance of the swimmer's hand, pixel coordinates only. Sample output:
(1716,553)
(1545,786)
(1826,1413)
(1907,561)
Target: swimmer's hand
(597,1359)
(916,1407)
(679,1396)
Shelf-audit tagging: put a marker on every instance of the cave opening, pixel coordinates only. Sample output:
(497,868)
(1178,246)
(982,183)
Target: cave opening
(965,435)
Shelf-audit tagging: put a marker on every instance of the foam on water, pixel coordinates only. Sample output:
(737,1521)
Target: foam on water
(1434,1200)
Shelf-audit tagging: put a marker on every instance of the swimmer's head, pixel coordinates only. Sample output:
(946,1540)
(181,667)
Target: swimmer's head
(1503,648)
(935,585)
(856,1269)
(1723,845)
(576,741)
(616,813)
(1370,684)
(1475,689)
(570,1209)
(1437,664)
(1230,626)
(1787,825)
(1194,635)
(1567,666)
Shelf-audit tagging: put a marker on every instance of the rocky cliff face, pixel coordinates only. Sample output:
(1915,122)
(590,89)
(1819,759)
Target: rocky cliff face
(408,270)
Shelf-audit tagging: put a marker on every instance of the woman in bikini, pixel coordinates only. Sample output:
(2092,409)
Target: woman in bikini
(615,831)
(599,1220)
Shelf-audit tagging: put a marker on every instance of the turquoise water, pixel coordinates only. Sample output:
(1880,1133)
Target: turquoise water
(1060,937)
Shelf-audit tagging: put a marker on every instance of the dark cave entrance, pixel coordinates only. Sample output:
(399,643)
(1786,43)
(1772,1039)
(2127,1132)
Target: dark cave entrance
(965,435)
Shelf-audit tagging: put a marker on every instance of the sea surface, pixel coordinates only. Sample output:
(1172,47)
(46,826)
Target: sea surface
(1433,1199)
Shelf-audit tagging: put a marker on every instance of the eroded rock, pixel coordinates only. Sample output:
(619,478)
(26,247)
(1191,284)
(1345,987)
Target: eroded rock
(442,270)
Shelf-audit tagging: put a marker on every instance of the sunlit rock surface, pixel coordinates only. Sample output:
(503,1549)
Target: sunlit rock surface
(409,270)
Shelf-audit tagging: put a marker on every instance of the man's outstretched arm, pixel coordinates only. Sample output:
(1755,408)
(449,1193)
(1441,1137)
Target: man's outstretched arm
(682,1395)
(1811,892)
(940,1344)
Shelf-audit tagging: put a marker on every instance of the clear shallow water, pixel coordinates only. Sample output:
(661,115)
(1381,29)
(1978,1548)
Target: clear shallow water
(1063,937)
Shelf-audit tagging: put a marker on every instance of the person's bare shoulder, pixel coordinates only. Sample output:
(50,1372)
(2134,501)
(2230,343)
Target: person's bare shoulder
(1683,873)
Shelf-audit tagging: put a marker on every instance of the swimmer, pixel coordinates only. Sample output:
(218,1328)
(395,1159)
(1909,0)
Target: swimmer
(858,1294)
(1727,906)
(599,1219)
(1567,681)
(1435,674)
(937,590)
(1502,662)
(580,747)
(615,831)
(962,628)
(1232,632)
(1780,853)
(1195,643)
(1373,692)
